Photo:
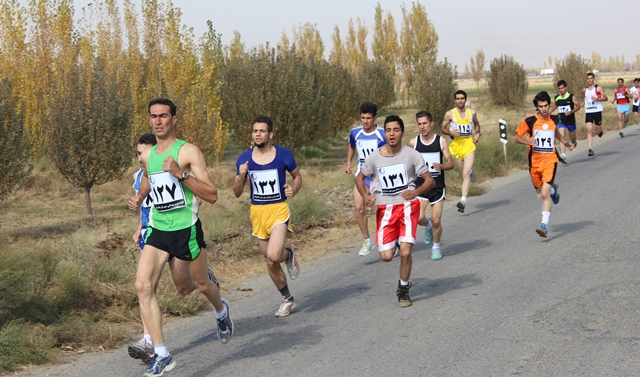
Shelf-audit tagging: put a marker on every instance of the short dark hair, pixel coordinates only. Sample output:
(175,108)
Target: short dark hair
(591,74)
(562,83)
(369,108)
(460,92)
(541,97)
(620,79)
(394,118)
(163,101)
(636,80)
(424,113)
(148,139)
(264,119)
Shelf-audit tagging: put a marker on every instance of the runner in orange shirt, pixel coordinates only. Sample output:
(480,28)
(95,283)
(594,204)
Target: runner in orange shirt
(541,132)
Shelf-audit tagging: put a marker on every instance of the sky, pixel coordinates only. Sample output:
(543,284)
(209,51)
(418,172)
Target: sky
(529,31)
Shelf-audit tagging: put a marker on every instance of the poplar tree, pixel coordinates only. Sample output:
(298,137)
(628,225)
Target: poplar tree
(385,40)
(573,69)
(477,69)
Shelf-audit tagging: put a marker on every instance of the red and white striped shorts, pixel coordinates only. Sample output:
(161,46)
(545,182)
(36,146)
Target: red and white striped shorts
(396,222)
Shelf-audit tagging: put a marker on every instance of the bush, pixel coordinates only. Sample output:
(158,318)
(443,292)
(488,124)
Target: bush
(573,69)
(309,207)
(23,344)
(435,86)
(376,84)
(507,82)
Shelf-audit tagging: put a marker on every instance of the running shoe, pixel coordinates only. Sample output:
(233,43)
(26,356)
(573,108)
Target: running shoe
(285,307)
(292,264)
(396,253)
(158,365)
(213,277)
(591,153)
(555,198)
(225,325)
(141,350)
(366,247)
(542,230)
(403,295)
(563,158)
(473,175)
(600,134)
(428,235)
(435,253)
(575,143)
(461,206)
(621,134)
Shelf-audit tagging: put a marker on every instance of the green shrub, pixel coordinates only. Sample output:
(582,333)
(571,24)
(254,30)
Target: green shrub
(70,291)
(434,89)
(573,69)
(310,207)
(507,82)
(23,344)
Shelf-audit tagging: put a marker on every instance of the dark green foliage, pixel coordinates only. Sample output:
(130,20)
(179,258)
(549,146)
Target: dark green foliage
(14,148)
(22,344)
(434,88)
(308,99)
(573,69)
(375,84)
(89,129)
(507,82)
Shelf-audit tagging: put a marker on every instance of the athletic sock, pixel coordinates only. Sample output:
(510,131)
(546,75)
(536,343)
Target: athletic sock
(161,350)
(284,291)
(147,339)
(553,190)
(463,200)
(404,283)
(222,313)
(545,217)
(436,244)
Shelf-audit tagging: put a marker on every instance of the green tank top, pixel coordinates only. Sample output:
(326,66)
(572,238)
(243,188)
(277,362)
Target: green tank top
(174,205)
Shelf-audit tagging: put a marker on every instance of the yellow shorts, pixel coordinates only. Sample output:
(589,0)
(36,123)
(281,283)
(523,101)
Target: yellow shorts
(265,217)
(461,146)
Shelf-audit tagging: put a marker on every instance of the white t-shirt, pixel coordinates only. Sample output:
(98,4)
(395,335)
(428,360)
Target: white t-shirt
(634,92)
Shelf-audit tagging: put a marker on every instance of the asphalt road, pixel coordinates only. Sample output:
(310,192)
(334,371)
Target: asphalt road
(503,301)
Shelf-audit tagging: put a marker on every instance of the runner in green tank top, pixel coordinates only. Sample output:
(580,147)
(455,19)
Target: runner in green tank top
(177,172)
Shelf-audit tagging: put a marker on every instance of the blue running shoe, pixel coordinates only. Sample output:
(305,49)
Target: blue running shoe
(542,230)
(428,235)
(225,325)
(435,253)
(158,365)
(555,198)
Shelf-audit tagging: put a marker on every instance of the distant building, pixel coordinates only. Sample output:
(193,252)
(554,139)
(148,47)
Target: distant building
(546,72)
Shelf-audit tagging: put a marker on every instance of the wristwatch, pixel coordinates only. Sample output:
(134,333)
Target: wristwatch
(185,175)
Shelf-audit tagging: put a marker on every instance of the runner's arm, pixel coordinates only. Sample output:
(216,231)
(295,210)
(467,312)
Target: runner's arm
(290,192)
(200,183)
(241,178)
(444,145)
(350,152)
(476,126)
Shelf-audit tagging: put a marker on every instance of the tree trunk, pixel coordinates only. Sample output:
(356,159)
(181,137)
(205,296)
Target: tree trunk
(87,197)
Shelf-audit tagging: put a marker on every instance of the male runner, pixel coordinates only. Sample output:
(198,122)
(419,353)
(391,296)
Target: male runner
(459,123)
(541,133)
(433,149)
(567,106)
(363,140)
(143,349)
(635,95)
(622,98)
(174,173)
(393,170)
(594,96)
(266,166)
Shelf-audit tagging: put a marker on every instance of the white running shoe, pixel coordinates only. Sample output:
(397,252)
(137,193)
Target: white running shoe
(285,307)
(366,248)
(292,264)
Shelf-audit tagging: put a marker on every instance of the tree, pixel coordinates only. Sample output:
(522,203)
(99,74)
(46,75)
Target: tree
(14,147)
(338,54)
(308,41)
(507,82)
(418,42)
(435,88)
(477,69)
(596,60)
(356,45)
(573,69)
(385,40)
(375,83)
(236,49)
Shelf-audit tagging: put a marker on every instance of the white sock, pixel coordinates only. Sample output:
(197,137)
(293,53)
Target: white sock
(430,225)
(222,313)
(463,200)
(161,350)
(545,217)
(436,244)
(403,283)
(147,339)
(553,190)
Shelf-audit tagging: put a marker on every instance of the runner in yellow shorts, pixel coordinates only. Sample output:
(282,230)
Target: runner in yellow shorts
(265,217)
(460,123)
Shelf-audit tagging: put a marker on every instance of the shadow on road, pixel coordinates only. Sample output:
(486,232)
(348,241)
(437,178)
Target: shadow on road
(481,207)
(424,288)
(459,248)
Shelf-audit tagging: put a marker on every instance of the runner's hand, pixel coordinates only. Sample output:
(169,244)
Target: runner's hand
(171,166)
(244,168)
(135,202)
(288,191)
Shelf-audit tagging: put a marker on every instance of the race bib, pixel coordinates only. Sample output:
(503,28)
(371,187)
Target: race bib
(365,148)
(166,192)
(465,129)
(563,109)
(431,158)
(266,185)
(393,179)
(620,96)
(545,141)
